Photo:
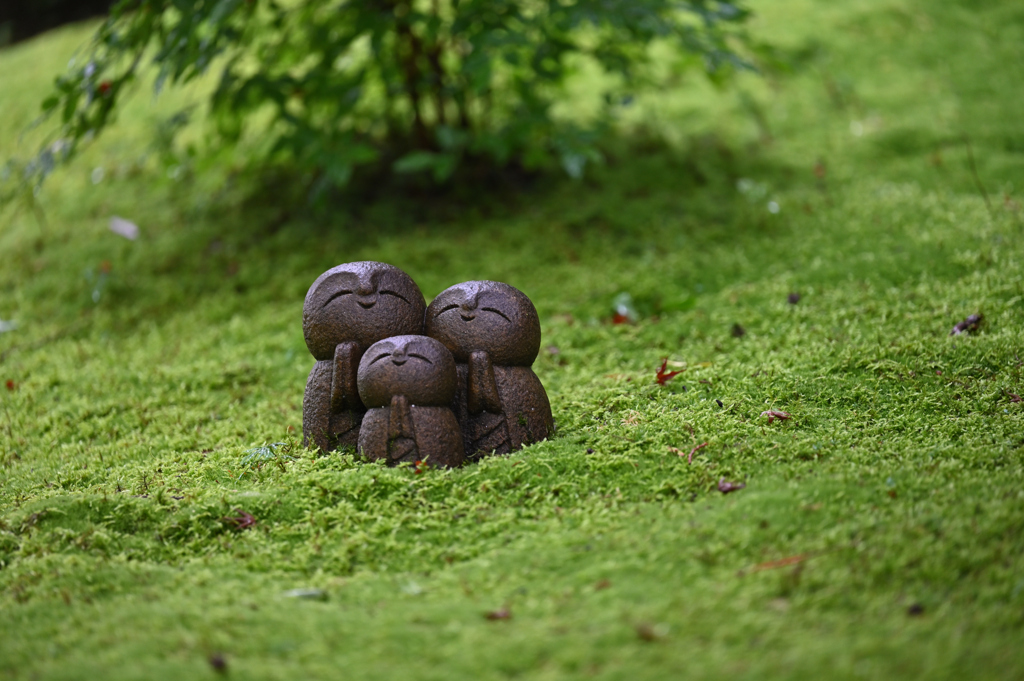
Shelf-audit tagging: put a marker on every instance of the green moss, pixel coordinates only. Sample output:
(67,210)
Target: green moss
(881,530)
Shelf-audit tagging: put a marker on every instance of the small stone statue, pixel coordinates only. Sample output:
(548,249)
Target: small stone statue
(493,331)
(408,383)
(349,308)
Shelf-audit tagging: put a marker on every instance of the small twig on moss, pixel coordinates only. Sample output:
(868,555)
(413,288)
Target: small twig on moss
(689,458)
(782,562)
(974,174)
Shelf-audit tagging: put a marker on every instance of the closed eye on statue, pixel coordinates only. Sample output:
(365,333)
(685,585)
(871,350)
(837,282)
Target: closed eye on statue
(497,312)
(418,356)
(396,294)
(446,308)
(380,357)
(334,295)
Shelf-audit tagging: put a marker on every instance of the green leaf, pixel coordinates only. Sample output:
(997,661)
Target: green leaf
(416,162)
(441,165)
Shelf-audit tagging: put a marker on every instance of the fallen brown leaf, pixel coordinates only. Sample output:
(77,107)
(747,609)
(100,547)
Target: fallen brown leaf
(724,486)
(500,614)
(970,324)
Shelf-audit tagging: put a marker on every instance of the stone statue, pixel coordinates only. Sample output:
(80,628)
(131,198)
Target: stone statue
(408,383)
(493,331)
(349,308)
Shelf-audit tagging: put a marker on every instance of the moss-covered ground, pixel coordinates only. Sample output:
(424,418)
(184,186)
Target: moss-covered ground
(881,530)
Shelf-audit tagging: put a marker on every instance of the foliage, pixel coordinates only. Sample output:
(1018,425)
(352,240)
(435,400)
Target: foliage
(422,86)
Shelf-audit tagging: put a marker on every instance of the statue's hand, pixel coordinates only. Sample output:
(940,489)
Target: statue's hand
(344,390)
(481,388)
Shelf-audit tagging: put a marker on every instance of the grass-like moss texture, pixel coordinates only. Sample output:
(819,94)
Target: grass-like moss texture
(881,530)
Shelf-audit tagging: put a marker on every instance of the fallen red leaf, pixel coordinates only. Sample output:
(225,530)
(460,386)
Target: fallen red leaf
(1013,396)
(772,414)
(243,520)
(11,385)
(662,376)
(618,318)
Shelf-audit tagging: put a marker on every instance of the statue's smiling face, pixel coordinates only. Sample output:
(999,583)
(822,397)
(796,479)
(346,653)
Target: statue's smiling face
(362,302)
(488,316)
(349,290)
(418,367)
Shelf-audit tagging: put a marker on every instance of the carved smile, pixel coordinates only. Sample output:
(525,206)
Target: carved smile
(366,305)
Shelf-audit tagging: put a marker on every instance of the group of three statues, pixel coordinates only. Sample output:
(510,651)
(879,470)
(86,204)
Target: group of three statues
(405,382)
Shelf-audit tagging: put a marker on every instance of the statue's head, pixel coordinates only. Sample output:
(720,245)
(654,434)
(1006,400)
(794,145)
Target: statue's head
(489,316)
(362,302)
(418,367)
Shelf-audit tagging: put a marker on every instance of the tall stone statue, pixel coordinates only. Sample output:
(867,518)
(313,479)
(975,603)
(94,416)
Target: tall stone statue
(493,332)
(347,309)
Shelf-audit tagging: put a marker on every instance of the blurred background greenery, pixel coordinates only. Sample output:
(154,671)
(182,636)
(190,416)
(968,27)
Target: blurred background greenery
(332,89)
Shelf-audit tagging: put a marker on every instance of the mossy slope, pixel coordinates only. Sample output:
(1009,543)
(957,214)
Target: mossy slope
(881,531)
